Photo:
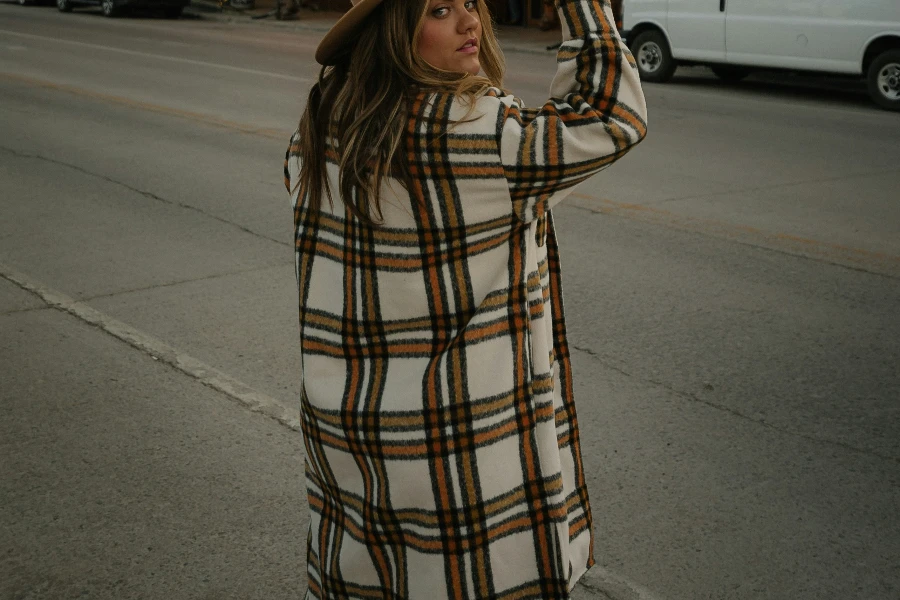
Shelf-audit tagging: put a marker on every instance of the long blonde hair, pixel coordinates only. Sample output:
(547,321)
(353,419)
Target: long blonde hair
(357,112)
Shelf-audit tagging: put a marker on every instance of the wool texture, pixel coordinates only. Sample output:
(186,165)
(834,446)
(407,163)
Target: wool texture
(442,444)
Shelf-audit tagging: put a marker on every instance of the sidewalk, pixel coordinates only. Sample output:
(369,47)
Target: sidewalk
(529,40)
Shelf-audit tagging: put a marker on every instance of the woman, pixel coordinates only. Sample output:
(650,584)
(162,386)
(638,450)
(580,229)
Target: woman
(443,456)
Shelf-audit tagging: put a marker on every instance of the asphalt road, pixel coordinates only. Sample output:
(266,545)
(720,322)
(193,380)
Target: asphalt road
(733,289)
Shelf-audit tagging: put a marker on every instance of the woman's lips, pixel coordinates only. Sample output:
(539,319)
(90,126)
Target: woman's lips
(469,48)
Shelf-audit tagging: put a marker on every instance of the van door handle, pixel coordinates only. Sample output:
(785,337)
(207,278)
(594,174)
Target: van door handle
(721,5)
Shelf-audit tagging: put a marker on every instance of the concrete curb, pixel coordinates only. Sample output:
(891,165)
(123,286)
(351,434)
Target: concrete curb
(204,11)
(158,350)
(597,584)
(601,584)
(209,11)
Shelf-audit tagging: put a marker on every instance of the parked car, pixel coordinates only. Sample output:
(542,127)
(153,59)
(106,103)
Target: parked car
(112,8)
(851,37)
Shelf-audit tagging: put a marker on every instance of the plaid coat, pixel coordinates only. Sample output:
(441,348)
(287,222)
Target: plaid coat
(443,457)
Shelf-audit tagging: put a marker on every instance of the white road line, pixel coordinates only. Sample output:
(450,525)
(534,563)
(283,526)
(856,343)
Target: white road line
(596,581)
(613,585)
(158,350)
(178,59)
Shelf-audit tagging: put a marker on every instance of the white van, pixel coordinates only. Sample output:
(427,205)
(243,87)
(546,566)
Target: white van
(854,37)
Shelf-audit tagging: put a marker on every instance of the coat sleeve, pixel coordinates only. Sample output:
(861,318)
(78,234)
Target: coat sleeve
(595,114)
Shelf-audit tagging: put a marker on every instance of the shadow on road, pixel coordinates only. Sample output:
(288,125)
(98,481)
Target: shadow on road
(846,91)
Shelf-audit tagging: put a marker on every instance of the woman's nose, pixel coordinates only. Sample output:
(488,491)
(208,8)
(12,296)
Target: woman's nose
(468,21)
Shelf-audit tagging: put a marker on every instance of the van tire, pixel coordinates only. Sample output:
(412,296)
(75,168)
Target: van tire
(884,80)
(730,73)
(654,57)
(63,5)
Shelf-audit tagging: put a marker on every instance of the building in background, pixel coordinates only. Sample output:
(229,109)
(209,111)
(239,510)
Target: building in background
(533,9)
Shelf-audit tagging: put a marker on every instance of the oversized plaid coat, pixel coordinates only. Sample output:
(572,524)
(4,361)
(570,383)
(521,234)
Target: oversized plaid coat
(443,456)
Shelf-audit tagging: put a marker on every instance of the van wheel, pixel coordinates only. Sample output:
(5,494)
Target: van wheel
(653,56)
(729,73)
(884,80)
(64,5)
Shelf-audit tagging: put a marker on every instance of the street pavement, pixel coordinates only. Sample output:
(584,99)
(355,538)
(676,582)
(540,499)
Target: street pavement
(732,286)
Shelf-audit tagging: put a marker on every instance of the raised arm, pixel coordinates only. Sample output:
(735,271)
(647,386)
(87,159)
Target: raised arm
(595,114)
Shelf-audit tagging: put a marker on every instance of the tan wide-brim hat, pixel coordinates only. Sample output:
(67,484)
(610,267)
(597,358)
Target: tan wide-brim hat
(344,30)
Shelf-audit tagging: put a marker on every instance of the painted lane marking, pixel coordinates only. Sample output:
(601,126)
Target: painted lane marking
(855,258)
(847,256)
(158,350)
(178,59)
(206,119)
(595,582)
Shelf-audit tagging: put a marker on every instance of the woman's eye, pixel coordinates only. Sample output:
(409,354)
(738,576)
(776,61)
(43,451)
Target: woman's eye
(440,12)
(470,5)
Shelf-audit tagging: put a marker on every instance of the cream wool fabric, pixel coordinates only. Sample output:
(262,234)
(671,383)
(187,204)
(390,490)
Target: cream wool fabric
(443,457)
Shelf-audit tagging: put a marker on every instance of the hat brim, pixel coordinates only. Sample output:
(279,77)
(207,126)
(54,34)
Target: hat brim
(338,36)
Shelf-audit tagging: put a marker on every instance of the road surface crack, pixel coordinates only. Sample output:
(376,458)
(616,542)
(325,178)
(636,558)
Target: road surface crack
(691,397)
(870,263)
(775,186)
(145,193)
(159,351)
(19,311)
(214,276)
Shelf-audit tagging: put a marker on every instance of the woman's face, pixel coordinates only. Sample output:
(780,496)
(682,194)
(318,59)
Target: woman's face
(451,36)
